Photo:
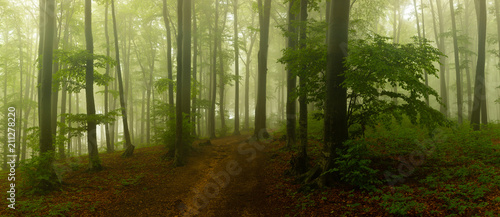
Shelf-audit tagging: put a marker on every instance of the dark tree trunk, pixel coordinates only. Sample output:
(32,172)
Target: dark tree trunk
(260,110)
(457,63)
(336,95)
(94,162)
(129,151)
(246,125)
(237,72)
(109,144)
(195,68)
(211,116)
(169,53)
(479,87)
(442,71)
(300,165)
(45,106)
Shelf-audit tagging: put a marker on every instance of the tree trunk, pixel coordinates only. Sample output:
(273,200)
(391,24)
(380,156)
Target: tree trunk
(183,82)
(301,162)
(211,116)
(94,162)
(195,68)
(169,54)
(128,143)
(442,71)
(479,87)
(291,113)
(236,72)
(457,63)
(246,125)
(260,110)
(45,108)
(336,95)
(109,145)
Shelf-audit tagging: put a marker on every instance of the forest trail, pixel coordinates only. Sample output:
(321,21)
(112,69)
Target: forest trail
(173,195)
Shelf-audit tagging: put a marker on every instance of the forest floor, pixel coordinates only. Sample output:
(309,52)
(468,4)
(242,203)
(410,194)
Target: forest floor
(235,176)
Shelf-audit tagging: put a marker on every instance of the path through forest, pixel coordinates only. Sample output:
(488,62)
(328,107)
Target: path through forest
(202,186)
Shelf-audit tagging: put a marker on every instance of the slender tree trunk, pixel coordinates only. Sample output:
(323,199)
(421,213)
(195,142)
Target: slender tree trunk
(211,117)
(301,163)
(236,72)
(79,139)
(260,110)
(444,92)
(195,68)
(336,95)
(479,88)
(95,163)
(169,53)
(109,145)
(457,63)
(128,143)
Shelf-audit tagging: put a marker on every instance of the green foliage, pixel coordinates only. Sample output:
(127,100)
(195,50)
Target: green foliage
(399,204)
(81,120)
(375,65)
(162,112)
(353,166)
(38,172)
(74,75)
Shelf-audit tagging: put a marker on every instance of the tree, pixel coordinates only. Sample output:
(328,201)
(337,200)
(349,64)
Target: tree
(260,108)
(169,53)
(129,151)
(236,71)
(94,162)
(479,106)
(336,95)
(47,11)
(109,144)
(442,48)
(457,63)
(211,113)
(291,113)
(183,83)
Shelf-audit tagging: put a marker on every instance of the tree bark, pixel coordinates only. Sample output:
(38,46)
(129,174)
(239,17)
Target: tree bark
(109,145)
(129,151)
(211,116)
(457,63)
(479,87)
(442,71)
(45,108)
(336,95)
(291,113)
(94,162)
(260,110)
(236,72)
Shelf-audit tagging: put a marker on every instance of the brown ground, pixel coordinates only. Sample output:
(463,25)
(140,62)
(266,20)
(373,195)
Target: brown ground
(144,185)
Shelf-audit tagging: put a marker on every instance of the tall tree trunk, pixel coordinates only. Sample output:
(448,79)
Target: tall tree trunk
(45,93)
(236,72)
(420,36)
(246,125)
(79,139)
(336,95)
(184,81)
(301,162)
(128,143)
(109,145)
(260,108)
(94,162)
(457,63)
(444,92)
(479,87)
(211,116)
(169,53)
(195,68)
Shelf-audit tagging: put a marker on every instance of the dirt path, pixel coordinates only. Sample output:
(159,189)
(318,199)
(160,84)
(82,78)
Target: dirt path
(234,184)
(222,179)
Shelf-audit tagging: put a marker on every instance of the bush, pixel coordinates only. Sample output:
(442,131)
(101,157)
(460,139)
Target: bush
(353,166)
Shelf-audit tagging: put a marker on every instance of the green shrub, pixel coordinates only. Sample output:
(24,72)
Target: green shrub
(353,166)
